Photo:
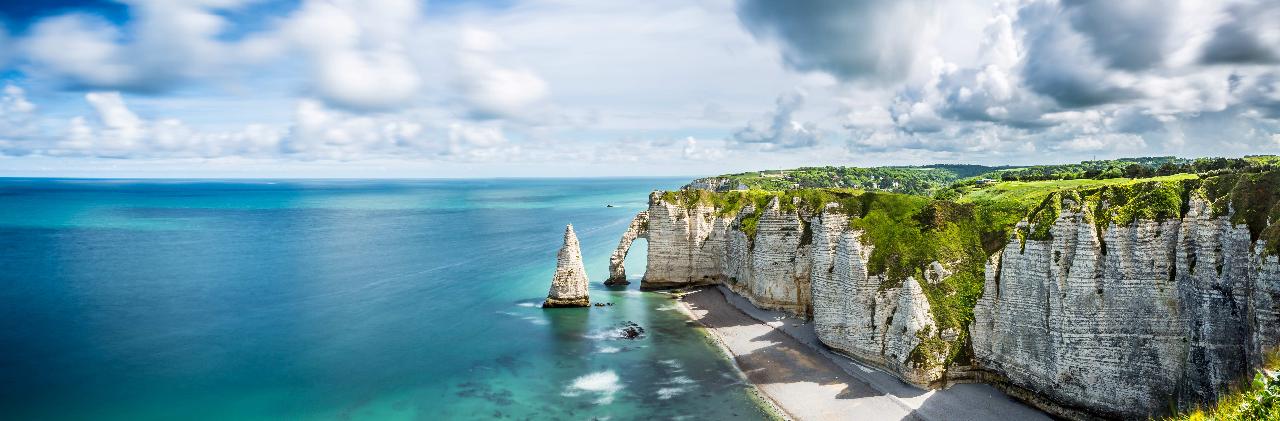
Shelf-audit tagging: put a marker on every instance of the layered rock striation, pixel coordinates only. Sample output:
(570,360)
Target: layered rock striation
(794,260)
(569,284)
(1129,322)
(1085,318)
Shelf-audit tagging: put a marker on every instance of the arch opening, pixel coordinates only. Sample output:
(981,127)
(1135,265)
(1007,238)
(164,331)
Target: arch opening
(617,261)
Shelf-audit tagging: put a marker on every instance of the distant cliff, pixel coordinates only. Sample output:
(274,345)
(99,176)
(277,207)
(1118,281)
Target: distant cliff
(1114,298)
(907,179)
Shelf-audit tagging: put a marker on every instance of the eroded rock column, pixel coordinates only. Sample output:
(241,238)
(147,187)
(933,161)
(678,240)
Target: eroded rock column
(569,285)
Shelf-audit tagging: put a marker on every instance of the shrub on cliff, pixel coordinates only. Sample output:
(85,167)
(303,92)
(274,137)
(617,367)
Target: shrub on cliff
(1258,400)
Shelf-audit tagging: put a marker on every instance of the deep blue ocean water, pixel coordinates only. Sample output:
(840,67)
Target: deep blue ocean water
(247,300)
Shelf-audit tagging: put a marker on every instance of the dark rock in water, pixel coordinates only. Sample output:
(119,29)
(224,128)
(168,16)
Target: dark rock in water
(631,330)
(598,304)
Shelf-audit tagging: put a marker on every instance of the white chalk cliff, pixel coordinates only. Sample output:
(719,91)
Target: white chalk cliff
(1119,324)
(1122,325)
(569,284)
(815,268)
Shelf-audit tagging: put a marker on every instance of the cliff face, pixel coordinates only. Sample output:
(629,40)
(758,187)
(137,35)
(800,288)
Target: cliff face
(715,184)
(1126,324)
(1123,321)
(686,245)
(772,270)
(805,264)
(855,314)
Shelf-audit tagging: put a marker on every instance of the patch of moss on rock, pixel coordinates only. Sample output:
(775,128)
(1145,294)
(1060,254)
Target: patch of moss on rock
(1041,219)
(1125,204)
(922,357)
(1255,200)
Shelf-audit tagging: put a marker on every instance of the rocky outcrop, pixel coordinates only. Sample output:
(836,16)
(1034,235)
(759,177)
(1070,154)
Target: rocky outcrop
(686,244)
(812,265)
(855,314)
(569,284)
(716,184)
(1118,321)
(778,273)
(1127,323)
(639,228)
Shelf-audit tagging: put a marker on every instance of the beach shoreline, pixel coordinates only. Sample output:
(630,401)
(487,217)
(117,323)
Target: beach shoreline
(775,410)
(801,379)
(796,382)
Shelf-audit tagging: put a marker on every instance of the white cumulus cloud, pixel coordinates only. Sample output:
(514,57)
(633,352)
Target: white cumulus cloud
(490,89)
(18,120)
(115,131)
(780,129)
(167,42)
(358,51)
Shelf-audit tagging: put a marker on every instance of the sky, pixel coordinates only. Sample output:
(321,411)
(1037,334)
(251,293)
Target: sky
(572,88)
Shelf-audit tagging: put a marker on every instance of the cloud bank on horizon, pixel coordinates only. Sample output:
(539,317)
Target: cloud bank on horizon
(522,87)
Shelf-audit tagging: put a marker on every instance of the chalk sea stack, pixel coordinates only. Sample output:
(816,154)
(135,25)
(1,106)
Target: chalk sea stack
(569,285)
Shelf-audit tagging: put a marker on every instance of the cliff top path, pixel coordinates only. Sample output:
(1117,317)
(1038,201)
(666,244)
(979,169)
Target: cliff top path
(783,358)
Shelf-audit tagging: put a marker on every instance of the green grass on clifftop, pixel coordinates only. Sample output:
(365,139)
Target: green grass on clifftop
(1255,198)
(902,179)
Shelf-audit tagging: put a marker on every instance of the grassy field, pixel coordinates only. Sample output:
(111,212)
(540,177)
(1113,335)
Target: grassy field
(1030,193)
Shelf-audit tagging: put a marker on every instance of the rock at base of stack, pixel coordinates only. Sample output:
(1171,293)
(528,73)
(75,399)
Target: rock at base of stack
(569,285)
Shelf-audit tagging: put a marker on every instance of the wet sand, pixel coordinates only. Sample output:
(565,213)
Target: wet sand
(781,356)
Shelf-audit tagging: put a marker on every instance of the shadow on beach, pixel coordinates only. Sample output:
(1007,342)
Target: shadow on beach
(810,381)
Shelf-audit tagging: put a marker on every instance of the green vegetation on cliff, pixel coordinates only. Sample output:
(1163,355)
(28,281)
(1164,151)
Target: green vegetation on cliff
(962,228)
(908,233)
(905,179)
(939,179)
(1255,198)
(1128,168)
(1117,201)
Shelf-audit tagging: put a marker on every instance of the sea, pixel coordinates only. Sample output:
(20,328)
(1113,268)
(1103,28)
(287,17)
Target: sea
(337,300)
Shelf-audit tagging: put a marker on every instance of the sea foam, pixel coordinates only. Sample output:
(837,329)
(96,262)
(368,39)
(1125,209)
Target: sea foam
(604,383)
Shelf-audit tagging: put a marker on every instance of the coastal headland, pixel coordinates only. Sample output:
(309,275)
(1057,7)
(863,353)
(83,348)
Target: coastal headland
(1123,289)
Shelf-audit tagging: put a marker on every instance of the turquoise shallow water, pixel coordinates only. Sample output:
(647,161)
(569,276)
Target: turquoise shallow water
(191,300)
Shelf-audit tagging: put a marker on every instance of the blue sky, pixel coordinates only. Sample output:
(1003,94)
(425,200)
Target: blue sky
(403,88)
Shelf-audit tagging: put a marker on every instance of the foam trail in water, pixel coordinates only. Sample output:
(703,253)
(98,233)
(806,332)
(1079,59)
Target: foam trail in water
(604,383)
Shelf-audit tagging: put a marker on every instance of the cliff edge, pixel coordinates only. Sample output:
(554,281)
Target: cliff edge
(1110,299)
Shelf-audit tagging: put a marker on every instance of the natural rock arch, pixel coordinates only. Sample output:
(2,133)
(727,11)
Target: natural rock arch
(639,228)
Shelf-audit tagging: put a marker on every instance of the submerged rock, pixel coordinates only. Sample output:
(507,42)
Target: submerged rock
(630,330)
(569,285)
